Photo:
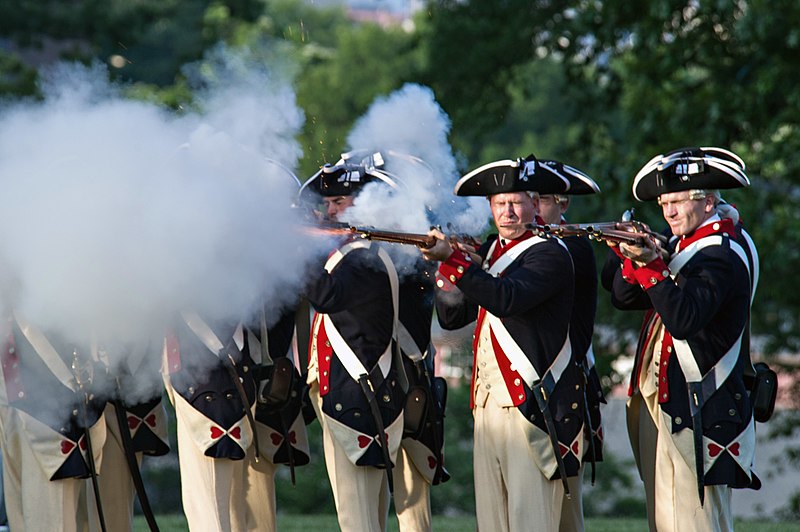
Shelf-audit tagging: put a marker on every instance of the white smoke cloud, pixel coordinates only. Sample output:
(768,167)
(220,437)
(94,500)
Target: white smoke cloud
(118,214)
(410,121)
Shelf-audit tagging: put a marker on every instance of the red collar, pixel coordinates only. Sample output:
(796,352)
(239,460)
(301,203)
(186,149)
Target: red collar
(724,226)
(511,243)
(499,249)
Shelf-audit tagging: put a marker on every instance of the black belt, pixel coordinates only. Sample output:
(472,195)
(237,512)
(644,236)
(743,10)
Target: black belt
(541,394)
(369,392)
(133,465)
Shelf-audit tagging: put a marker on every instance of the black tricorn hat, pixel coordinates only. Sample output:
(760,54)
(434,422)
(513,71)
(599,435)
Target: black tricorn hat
(706,168)
(577,182)
(285,170)
(343,179)
(528,174)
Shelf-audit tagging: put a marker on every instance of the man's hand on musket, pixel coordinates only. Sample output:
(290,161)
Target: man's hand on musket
(641,254)
(470,248)
(441,250)
(445,245)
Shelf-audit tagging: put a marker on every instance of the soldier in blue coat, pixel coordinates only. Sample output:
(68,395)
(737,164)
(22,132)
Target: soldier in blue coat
(51,425)
(689,415)
(527,391)
(354,366)
(552,210)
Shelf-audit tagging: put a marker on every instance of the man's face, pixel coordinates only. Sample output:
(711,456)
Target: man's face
(683,214)
(336,205)
(511,211)
(551,207)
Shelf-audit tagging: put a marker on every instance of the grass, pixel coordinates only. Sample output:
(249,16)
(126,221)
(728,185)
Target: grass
(324,523)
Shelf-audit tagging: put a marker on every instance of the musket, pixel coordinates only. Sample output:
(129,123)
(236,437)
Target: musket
(625,231)
(422,241)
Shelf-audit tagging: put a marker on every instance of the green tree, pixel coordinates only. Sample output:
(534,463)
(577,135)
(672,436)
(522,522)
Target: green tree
(334,90)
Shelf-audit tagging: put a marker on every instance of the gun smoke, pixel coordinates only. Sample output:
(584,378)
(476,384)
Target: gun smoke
(118,215)
(410,121)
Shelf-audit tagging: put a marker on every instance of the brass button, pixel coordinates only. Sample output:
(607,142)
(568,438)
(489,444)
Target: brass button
(338,407)
(678,420)
(521,397)
(653,280)
(516,382)
(737,396)
(669,349)
(731,412)
(452,278)
(715,226)
(439,283)
(665,273)
(327,343)
(386,398)
(460,269)
(574,406)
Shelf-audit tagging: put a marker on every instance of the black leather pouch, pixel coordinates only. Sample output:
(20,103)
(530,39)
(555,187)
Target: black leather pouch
(275,391)
(764,392)
(415,412)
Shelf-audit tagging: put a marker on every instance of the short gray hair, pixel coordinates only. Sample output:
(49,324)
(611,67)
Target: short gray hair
(699,193)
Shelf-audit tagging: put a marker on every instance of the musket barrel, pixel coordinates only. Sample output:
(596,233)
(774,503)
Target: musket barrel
(422,241)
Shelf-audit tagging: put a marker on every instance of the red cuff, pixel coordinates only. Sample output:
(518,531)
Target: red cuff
(651,273)
(628,270)
(618,252)
(451,270)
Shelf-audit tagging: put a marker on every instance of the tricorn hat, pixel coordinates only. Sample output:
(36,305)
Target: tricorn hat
(576,181)
(528,174)
(282,168)
(704,168)
(343,179)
